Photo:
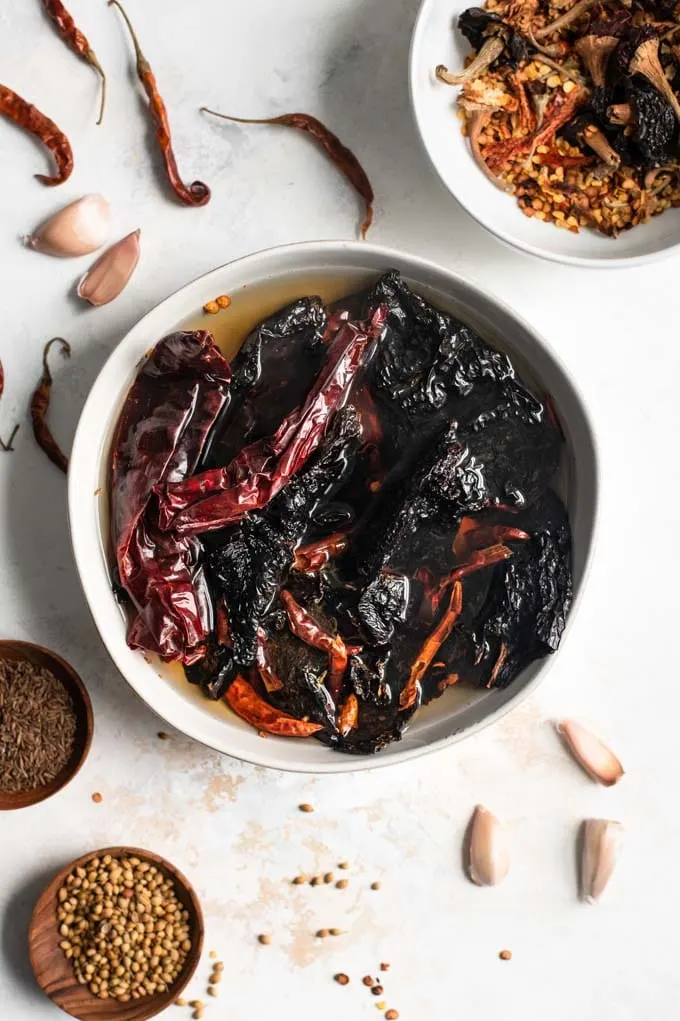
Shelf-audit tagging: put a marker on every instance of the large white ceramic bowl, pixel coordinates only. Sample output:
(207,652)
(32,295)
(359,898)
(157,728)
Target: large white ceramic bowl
(334,266)
(435,41)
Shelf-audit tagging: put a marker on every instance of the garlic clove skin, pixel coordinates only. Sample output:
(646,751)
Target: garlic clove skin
(77,229)
(601,841)
(592,754)
(110,274)
(488,857)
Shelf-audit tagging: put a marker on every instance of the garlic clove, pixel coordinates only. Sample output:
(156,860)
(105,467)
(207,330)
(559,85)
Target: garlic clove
(110,274)
(601,841)
(77,229)
(591,753)
(488,857)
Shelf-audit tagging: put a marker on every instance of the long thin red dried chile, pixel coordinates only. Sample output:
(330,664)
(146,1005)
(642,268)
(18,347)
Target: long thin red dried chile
(247,704)
(76,41)
(197,193)
(167,415)
(221,496)
(304,627)
(317,554)
(475,534)
(40,402)
(29,117)
(431,647)
(342,157)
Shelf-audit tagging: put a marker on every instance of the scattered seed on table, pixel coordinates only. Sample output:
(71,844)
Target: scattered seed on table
(213,991)
(329,877)
(211,307)
(376,885)
(224,301)
(264,938)
(218,966)
(381,1005)
(342,884)
(180,1002)
(322,933)
(162,735)
(306,807)
(213,953)
(367,980)
(505,955)
(197,1014)
(315,881)
(196,1004)
(343,865)
(392,1015)
(384,966)
(336,932)
(341,978)
(298,880)
(216,977)
(377,990)
(97,798)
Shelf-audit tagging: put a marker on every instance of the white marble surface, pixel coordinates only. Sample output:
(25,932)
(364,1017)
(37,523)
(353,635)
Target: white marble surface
(235,829)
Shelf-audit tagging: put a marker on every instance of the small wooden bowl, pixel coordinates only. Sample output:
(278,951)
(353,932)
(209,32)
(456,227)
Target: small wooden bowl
(55,974)
(82,706)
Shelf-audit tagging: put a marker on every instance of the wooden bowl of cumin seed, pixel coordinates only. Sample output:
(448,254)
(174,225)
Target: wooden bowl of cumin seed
(37,658)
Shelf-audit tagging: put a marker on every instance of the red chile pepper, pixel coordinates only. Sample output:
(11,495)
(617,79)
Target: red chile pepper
(197,193)
(264,666)
(6,446)
(474,534)
(222,629)
(431,647)
(221,496)
(317,554)
(502,656)
(76,41)
(172,405)
(304,627)
(348,717)
(247,704)
(342,157)
(29,117)
(40,402)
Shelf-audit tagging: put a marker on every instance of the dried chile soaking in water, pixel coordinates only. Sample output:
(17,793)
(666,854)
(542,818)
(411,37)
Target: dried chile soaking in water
(353,515)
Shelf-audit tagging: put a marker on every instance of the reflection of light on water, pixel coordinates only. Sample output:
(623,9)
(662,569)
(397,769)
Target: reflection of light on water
(250,305)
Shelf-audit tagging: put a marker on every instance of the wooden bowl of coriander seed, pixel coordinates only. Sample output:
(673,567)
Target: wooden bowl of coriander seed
(116,935)
(46,724)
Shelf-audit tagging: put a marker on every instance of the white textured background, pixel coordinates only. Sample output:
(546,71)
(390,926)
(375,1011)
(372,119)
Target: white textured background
(233,828)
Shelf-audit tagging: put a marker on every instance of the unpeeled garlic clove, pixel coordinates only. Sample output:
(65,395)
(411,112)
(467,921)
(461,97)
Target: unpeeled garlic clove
(488,858)
(77,229)
(601,841)
(591,753)
(105,280)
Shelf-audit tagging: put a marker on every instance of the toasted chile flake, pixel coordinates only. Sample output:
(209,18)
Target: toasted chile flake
(40,402)
(28,117)
(247,704)
(342,157)
(197,193)
(76,41)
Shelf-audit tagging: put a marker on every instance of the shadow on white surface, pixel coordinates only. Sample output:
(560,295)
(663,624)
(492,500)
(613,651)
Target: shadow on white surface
(14,930)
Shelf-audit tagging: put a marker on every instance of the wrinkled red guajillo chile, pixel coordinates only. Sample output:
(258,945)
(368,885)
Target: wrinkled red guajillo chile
(221,496)
(342,157)
(197,193)
(247,704)
(76,41)
(474,534)
(264,666)
(431,647)
(29,117)
(304,627)
(317,554)
(40,402)
(168,413)
(6,446)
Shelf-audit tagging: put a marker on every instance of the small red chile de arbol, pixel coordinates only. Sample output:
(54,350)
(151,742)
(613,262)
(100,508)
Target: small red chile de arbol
(76,41)
(197,193)
(40,402)
(247,704)
(30,118)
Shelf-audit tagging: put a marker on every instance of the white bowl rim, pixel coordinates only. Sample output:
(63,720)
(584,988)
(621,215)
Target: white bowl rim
(82,527)
(617,262)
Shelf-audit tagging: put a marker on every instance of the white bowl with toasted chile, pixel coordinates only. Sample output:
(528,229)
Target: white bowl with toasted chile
(436,40)
(286,272)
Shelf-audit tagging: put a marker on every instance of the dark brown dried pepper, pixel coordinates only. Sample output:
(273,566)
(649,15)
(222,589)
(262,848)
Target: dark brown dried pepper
(76,41)
(197,193)
(343,158)
(29,117)
(6,447)
(40,402)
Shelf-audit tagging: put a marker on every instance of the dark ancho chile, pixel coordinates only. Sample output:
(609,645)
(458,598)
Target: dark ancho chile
(354,515)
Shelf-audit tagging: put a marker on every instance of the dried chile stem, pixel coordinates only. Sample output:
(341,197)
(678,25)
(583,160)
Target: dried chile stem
(197,193)
(342,157)
(77,42)
(29,117)
(40,402)
(7,445)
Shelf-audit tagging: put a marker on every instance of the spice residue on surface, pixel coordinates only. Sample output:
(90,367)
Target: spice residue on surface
(115,915)
(37,726)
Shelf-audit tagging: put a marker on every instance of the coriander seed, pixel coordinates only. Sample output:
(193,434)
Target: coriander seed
(341,978)
(306,807)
